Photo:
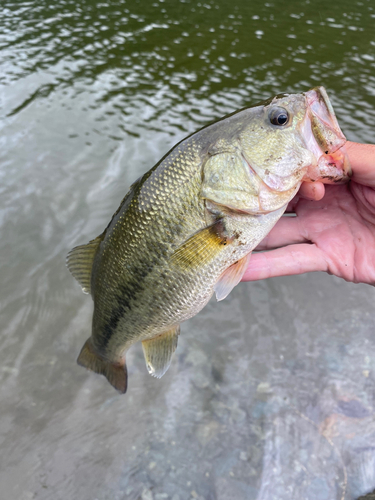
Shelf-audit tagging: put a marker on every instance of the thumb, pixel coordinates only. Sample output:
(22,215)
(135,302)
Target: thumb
(362,160)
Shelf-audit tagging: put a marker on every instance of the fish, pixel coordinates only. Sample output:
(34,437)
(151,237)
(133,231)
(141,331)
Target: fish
(187,227)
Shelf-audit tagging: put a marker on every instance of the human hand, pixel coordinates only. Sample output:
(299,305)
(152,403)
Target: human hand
(334,230)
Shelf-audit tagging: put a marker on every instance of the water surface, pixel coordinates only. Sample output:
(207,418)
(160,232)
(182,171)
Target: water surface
(271,392)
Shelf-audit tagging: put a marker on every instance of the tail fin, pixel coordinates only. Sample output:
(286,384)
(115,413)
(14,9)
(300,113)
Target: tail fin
(117,374)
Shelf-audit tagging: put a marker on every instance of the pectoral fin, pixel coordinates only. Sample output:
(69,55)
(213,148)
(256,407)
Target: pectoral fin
(231,277)
(158,351)
(80,260)
(202,247)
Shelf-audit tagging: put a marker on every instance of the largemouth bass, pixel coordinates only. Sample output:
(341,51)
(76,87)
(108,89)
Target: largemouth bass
(186,229)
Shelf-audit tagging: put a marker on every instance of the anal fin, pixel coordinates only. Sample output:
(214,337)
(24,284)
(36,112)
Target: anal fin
(231,277)
(116,373)
(159,350)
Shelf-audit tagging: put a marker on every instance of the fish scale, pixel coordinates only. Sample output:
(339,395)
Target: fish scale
(156,199)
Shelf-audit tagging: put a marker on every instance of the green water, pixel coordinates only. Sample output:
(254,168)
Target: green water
(270,395)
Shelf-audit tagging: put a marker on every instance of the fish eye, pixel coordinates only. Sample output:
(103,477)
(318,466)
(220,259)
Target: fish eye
(279,116)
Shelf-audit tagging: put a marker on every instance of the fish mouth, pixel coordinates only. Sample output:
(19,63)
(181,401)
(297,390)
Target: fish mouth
(325,140)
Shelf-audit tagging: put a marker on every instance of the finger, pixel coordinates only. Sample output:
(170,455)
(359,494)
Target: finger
(287,231)
(312,190)
(294,259)
(362,160)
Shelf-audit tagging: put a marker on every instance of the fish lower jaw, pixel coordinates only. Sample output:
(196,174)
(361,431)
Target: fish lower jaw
(331,168)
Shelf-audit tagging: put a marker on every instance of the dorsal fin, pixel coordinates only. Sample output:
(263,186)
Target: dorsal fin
(80,260)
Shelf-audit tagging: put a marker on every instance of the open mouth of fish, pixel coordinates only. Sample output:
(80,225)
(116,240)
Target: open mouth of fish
(325,140)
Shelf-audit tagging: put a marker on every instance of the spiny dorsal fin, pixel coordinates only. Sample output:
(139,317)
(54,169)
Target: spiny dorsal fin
(231,277)
(202,247)
(116,374)
(158,351)
(80,260)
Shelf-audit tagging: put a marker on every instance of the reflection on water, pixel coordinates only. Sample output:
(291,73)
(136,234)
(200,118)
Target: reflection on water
(271,393)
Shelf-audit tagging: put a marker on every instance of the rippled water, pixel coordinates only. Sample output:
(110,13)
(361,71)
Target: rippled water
(271,393)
